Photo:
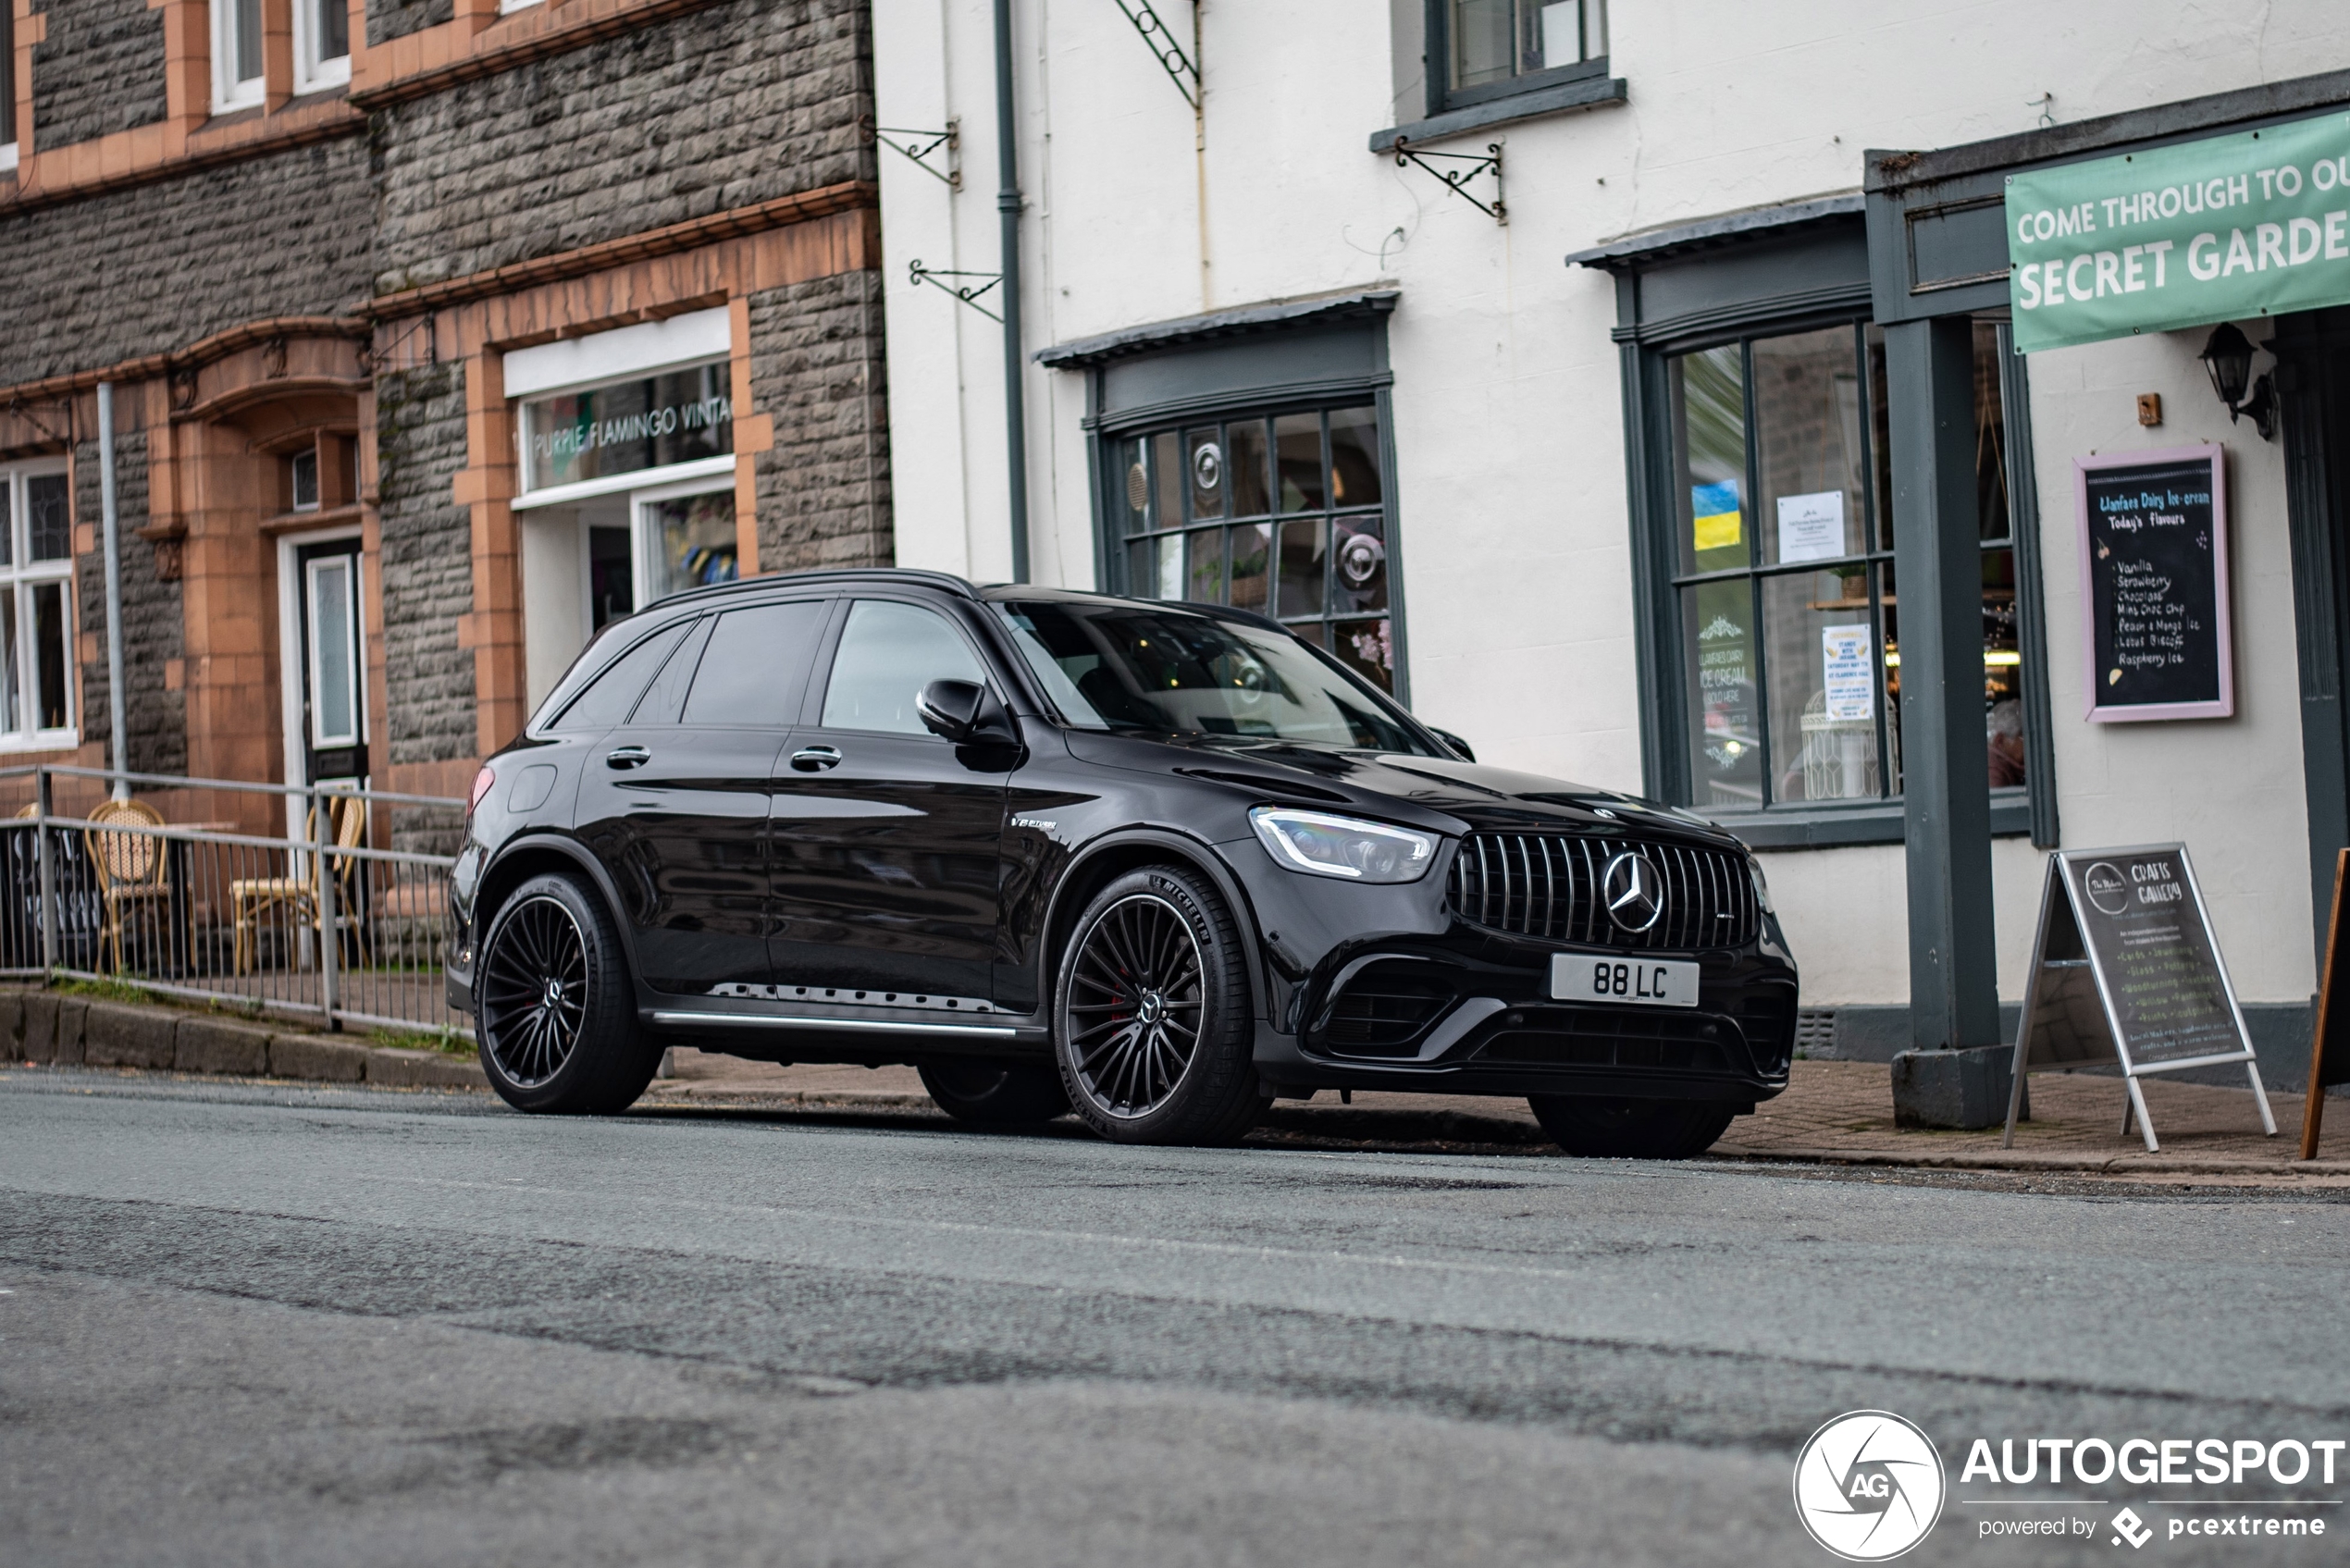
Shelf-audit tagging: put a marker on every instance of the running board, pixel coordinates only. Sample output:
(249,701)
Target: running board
(885,1026)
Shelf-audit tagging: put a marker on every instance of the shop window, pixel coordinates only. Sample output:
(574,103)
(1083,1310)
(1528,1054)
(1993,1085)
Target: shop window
(36,607)
(628,497)
(1480,50)
(1784,612)
(1284,515)
(322,44)
(236,56)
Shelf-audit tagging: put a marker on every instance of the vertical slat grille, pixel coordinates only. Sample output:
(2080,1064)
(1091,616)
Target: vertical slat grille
(1548,887)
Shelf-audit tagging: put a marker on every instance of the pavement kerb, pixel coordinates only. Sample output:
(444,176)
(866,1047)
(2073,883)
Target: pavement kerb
(49,1028)
(2104,1165)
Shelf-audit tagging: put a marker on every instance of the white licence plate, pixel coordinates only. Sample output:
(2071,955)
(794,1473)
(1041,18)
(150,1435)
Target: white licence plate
(1648,983)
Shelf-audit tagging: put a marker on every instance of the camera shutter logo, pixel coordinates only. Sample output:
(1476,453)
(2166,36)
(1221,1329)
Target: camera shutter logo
(1632,891)
(1869,1486)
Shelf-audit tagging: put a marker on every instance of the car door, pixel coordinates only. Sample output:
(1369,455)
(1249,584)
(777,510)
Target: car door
(886,838)
(674,800)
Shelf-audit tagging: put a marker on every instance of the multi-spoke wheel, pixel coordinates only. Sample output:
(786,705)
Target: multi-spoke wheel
(534,991)
(554,1006)
(1152,1028)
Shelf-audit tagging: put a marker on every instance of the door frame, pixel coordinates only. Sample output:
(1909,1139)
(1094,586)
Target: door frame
(293,654)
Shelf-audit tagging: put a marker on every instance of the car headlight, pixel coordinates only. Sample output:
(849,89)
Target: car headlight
(1762,887)
(1343,846)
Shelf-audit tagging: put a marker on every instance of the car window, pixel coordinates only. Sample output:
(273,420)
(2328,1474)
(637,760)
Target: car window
(757,661)
(608,697)
(667,694)
(888,653)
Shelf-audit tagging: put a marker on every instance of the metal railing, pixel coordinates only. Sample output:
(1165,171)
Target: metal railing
(264,897)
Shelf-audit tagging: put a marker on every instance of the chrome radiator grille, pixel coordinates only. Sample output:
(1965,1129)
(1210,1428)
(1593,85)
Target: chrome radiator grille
(1548,885)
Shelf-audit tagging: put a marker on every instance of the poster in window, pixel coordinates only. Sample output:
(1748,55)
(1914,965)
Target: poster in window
(1811,527)
(1848,684)
(2154,585)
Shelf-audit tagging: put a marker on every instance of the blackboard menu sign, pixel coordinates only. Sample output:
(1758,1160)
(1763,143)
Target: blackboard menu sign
(2154,585)
(2125,969)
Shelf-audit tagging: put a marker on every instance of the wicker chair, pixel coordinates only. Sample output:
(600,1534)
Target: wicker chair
(252,897)
(133,869)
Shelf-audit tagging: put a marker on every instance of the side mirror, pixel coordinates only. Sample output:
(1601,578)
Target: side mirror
(964,712)
(1456,742)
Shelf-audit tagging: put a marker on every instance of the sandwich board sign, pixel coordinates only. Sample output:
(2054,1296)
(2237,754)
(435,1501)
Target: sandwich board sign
(2125,969)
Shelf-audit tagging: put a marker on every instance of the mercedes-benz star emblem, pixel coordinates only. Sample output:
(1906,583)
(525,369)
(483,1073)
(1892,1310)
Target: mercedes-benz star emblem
(1633,893)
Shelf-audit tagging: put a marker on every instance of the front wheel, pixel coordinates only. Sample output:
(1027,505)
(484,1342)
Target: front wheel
(1152,1025)
(554,1008)
(993,1095)
(1600,1128)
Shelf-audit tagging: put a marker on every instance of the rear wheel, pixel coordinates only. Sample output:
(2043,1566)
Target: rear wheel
(555,1010)
(992,1094)
(1152,1025)
(1600,1128)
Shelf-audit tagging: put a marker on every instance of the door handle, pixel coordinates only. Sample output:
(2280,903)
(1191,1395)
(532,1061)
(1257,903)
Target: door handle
(810,758)
(627,757)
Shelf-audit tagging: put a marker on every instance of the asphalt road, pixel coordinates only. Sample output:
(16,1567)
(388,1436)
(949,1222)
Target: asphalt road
(253,1324)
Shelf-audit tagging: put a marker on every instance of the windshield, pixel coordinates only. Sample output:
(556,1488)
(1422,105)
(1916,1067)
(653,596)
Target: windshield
(1168,670)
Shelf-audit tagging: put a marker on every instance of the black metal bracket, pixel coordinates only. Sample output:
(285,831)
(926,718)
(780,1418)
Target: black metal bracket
(923,143)
(1178,65)
(966,292)
(1456,179)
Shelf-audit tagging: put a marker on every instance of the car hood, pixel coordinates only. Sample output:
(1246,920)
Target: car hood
(1471,795)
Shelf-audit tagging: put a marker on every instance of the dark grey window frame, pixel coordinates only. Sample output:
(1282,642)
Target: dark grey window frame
(1646,347)
(1442,97)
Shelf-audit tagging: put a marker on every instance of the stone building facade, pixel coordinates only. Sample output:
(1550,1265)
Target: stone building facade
(303,241)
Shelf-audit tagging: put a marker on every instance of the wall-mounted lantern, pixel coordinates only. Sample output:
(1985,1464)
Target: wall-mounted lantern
(2228,356)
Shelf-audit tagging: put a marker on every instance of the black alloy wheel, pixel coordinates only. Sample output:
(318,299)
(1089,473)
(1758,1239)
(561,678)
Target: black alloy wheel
(995,1093)
(1152,1028)
(554,1006)
(1601,1128)
(534,991)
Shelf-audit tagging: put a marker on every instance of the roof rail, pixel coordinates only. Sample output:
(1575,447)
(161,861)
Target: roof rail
(831,574)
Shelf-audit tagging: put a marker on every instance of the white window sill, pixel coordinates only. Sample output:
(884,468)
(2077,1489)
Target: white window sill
(508,7)
(247,95)
(41,740)
(326,74)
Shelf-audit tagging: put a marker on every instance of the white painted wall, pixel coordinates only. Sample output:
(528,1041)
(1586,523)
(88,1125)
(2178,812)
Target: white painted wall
(1508,423)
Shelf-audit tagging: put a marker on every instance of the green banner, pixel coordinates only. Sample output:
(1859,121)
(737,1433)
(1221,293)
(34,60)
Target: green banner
(2223,229)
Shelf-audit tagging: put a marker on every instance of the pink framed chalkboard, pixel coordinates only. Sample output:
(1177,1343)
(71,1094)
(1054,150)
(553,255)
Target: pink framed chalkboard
(2157,640)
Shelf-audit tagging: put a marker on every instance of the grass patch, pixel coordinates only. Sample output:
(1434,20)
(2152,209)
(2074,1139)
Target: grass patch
(107,991)
(448,1041)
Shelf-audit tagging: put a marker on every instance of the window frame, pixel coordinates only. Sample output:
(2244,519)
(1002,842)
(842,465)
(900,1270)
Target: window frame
(1443,97)
(230,94)
(22,578)
(8,106)
(1110,509)
(315,72)
(2016,810)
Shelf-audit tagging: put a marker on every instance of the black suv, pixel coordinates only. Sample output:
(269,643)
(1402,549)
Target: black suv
(1159,863)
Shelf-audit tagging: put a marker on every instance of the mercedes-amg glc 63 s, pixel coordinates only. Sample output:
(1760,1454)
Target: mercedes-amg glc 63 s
(1155,863)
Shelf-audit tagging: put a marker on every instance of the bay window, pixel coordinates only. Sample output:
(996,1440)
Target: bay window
(1282,514)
